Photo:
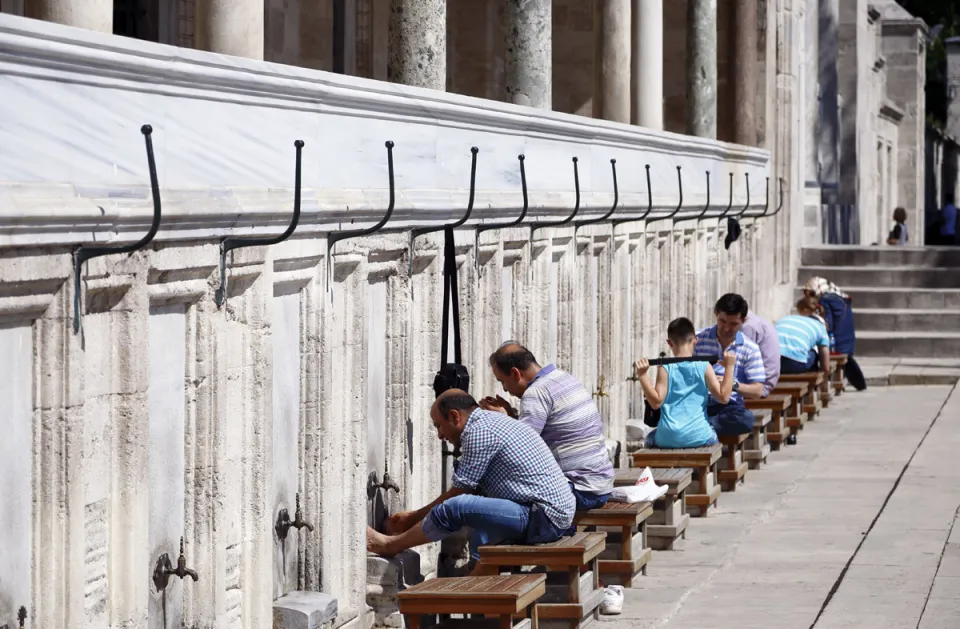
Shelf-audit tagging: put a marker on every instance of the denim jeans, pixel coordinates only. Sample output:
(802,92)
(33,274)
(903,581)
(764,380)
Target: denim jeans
(587,500)
(730,419)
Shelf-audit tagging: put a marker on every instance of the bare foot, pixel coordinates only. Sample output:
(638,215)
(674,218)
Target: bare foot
(377,542)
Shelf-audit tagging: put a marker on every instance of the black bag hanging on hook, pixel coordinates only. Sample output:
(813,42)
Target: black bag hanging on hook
(451,375)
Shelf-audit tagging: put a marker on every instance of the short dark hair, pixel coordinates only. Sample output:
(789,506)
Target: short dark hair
(512,356)
(900,215)
(681,330)
(732,304)
(455,401)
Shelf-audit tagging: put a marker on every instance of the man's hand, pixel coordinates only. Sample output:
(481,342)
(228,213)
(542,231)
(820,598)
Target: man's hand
(641,367)
(729,360)
(497,404)
(400,522)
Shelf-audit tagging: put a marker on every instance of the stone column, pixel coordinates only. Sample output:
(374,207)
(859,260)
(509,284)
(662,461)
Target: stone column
(745,72)
(418,43)
(702,68)
(528,52)
(648,63)
(611,74)
(96,15)
(230,27)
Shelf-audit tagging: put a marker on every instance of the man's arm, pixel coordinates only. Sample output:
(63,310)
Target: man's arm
(535,408)
(754,375)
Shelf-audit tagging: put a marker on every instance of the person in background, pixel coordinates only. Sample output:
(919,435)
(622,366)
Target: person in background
(838,314)
(762,332)
(804,343)
(682,390)
(948,221)
(898,235)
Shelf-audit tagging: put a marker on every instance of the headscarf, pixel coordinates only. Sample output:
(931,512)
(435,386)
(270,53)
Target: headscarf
(820,286)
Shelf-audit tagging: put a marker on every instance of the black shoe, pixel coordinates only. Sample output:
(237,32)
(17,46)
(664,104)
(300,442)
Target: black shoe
(791,440)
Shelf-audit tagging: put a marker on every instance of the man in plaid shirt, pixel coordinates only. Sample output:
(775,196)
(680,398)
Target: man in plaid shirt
(507,486)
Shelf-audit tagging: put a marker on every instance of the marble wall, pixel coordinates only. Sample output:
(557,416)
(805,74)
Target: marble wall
(168,416)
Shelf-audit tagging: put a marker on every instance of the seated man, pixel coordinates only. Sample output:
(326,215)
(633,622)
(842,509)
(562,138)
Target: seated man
(682,390)
(804,341)
(562,411)
(732,418)
(506,485)
(762,332)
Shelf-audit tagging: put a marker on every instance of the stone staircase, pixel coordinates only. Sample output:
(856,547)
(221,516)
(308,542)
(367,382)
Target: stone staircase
(906,300)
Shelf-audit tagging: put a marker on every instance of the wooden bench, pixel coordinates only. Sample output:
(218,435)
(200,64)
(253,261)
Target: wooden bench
(703,462)
(777,405)
(837,361)
(732,468)
(670,518)
(501,596)
(626,551)
(581,591)
(813,401)
(798,392)
(756,449)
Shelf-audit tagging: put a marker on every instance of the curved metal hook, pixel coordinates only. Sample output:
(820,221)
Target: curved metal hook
(729,203)
(82,254)
(335,237)
(616,201)
(767,204)
(576,184)
(649,204)
(679,203)
(706,207)
(230,243)
(747,204)
(513,223)
(780,205)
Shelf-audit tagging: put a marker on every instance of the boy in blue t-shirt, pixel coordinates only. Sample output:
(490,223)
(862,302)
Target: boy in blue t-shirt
(682,391)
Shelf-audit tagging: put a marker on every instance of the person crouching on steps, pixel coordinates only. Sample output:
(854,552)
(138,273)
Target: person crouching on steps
(682,391)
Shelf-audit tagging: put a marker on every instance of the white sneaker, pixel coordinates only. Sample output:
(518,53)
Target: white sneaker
(612,600)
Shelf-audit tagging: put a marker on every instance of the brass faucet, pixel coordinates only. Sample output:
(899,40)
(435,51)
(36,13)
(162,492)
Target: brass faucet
(164,570)
(284,523)
(601,392)
(373,484)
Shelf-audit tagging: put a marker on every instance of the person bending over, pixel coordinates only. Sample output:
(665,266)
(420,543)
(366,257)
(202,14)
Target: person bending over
(732,418)
(804,342)
(507,486)
(681,392)
(558,407)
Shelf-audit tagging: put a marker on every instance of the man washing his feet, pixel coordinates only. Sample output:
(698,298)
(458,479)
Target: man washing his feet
(507,486)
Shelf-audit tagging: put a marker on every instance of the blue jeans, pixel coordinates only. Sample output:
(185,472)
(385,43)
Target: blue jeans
(731,418)
(493,520)
(588,500)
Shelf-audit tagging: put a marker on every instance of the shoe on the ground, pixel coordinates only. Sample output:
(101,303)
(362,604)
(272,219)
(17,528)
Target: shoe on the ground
(612,600)
(791,440)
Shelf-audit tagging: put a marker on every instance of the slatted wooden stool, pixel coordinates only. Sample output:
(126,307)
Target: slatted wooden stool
(501,596)
(732,468)
(837,361)
(813,399)
(568,556)
(626,552)
(798,392)
(703,462)
(670,518)
(777,405)
(756,449)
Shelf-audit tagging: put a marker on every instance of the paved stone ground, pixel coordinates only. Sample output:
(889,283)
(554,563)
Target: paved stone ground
(855,526)
(913,371)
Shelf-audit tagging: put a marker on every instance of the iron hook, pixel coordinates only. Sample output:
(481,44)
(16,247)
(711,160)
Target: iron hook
(729,203)
(613,208)
(513,223)
(747,204)
(230,243)
(679,203)
(576,207)
(706,207)
(83,254)
(780,205)
(649,204)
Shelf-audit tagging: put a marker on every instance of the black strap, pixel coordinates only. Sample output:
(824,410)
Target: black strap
(450,287)
(683,359)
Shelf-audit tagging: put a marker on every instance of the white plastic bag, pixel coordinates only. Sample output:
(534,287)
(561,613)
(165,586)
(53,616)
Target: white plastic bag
(645,490)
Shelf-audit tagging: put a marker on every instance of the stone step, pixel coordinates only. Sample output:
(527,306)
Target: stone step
(890,277)
(907,320)
(908,344)
(902,298)
(881,256)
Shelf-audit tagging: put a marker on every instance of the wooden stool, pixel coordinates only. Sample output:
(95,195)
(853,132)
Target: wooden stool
(670,518)
(733,466)
(837,361)
(703,462)
(756,448)
(797,391)
(813,399)
(502,596)
(567,555)
(777,430)
(632,556)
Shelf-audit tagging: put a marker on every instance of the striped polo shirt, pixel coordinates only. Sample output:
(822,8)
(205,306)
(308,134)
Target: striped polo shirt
(749,367)
(561,410)
(799,335)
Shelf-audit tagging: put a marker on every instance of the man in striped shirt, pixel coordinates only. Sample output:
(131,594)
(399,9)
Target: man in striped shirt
(732,418)
(558,407)
(803,340)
